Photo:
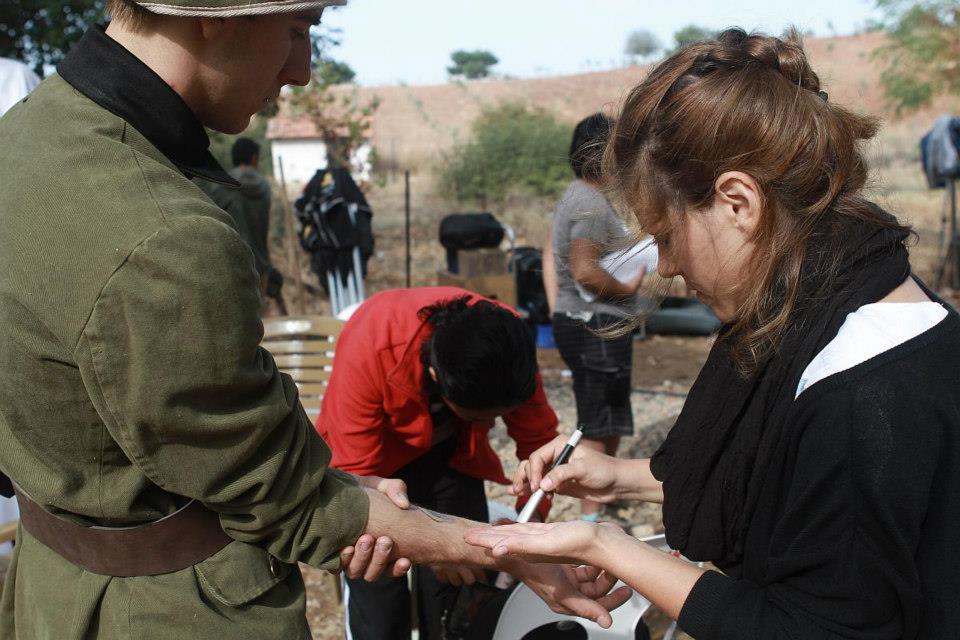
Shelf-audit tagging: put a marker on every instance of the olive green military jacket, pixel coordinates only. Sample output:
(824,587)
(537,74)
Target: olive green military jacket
(131,380)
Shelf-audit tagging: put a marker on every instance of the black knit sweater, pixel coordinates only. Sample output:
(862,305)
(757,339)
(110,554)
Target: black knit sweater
(857,531)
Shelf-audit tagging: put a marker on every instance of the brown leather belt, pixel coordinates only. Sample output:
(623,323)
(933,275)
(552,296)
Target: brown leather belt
(178,541)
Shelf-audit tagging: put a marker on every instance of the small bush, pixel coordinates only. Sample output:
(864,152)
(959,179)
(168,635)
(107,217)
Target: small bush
(511,149)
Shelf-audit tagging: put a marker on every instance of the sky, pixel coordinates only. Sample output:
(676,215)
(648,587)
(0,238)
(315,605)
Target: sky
(410,41)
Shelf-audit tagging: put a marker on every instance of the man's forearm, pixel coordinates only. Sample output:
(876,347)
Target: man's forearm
(427,537)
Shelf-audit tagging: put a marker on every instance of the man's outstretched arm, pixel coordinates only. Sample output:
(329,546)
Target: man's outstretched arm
(428,537)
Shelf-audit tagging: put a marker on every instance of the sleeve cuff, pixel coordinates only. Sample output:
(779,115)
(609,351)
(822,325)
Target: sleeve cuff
(346,504)
(698,617)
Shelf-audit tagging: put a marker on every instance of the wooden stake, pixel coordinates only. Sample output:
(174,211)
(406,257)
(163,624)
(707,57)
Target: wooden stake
(293,258)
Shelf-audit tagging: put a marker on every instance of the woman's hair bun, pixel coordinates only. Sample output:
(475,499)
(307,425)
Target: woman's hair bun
(783,55)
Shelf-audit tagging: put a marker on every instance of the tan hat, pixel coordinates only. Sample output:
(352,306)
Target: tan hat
(232,8)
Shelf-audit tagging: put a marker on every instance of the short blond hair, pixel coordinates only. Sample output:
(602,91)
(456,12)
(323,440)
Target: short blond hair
(131,14)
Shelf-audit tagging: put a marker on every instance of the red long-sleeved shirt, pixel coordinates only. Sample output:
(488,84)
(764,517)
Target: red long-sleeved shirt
(375,414)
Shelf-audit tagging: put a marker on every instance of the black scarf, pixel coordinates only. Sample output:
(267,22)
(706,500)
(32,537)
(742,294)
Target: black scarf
(714,461)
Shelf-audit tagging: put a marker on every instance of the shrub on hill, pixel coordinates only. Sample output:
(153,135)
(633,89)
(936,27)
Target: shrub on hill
(512,148)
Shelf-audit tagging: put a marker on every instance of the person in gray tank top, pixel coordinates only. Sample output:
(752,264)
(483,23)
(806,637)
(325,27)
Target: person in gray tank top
(585,228)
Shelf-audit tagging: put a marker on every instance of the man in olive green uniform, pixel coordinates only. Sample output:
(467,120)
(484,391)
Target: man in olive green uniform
(168,477)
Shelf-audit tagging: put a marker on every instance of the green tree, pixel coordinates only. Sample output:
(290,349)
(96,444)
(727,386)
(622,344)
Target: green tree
(642,44)
(471,64)
(323,40)
(511,148)
(922,54)
(690,34)
(40,32)
(335,72)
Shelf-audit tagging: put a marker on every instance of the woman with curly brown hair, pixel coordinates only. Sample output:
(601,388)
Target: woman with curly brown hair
(816,461)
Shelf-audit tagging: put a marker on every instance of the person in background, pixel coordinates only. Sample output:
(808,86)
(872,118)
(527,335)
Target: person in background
(585,228)
(418,378)
(16,81)
(249,206)
(816,460)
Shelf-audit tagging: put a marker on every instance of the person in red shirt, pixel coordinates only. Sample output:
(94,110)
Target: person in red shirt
(419,376)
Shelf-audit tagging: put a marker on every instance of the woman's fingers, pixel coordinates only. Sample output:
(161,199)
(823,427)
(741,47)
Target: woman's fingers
(396,490)
(542,458)
(570,471)
(521,478)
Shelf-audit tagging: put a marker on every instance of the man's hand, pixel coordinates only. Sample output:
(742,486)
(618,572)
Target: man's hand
(369,559)
(589,475)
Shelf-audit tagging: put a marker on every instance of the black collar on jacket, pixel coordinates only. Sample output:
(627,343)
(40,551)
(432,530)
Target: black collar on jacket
(104,71)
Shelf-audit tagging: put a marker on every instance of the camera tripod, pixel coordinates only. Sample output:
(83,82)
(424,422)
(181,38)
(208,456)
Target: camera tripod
(948,265)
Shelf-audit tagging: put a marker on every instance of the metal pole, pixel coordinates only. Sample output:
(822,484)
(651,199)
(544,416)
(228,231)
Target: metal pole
(338,285)
(954,248)
(332,288)
(293,258)
(406,210)
(358,271)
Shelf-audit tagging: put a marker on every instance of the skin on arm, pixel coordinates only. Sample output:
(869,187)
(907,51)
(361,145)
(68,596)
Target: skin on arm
(427,537)
(371,558)
(586,270)
(661,578)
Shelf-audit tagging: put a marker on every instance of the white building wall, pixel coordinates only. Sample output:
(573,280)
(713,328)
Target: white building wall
(302,158)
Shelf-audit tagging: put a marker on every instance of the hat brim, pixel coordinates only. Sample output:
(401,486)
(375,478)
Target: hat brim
(236,10)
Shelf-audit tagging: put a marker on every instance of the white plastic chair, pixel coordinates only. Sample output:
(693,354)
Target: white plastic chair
(524,611)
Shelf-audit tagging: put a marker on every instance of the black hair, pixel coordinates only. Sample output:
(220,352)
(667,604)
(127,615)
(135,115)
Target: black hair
(483,354)
(586,148)
(244,150)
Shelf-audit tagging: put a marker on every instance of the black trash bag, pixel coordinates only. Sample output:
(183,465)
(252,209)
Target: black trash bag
(329,232)
(468,231)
